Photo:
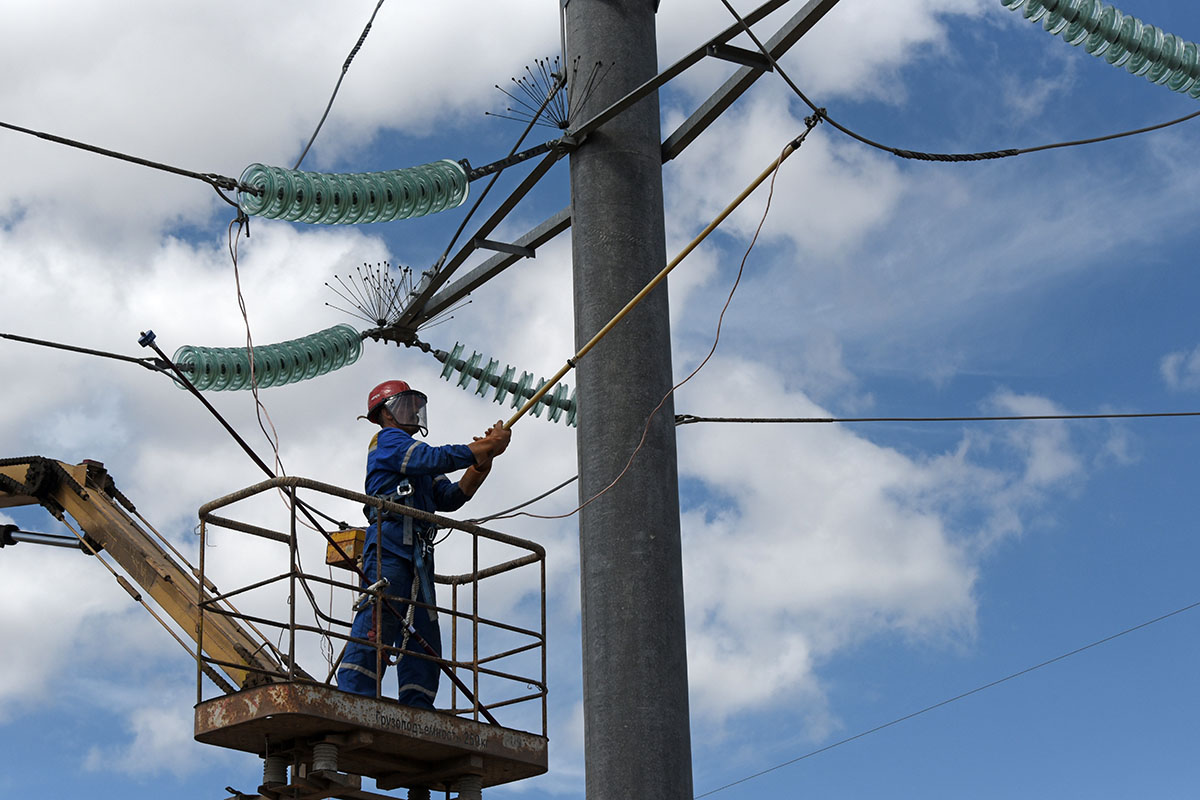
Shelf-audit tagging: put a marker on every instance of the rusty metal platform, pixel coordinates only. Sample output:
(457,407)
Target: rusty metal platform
(396,745)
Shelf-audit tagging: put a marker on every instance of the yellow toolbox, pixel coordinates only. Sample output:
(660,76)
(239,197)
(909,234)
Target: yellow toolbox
(351,541)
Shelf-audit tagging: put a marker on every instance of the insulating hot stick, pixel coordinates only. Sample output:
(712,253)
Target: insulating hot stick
(656,280)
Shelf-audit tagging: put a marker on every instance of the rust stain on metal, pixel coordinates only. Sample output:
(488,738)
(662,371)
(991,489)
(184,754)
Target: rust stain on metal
(401,739)
(396,745)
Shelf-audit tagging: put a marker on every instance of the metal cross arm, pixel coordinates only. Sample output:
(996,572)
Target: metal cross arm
(475,173)
(740,55)
(489,269)
(433,280)
(800,23)
(715,47)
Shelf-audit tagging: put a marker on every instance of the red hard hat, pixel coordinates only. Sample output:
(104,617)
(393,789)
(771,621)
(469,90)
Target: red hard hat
(380,394)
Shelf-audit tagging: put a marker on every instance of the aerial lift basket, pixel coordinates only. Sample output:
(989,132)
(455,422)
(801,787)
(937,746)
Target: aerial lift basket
(494,730)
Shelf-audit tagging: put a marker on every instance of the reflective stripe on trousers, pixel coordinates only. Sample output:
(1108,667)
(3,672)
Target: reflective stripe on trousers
(417,678)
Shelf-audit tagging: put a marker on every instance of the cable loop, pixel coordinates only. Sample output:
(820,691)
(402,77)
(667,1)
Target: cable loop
(916,155)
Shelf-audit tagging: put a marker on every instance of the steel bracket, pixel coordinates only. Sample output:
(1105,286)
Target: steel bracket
(740,55)
(504,247)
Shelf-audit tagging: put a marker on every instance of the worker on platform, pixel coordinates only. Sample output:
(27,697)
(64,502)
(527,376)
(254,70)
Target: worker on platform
(402,469)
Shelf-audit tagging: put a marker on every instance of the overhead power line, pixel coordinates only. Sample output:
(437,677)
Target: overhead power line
(917,155)
(153,364)
(954,699)
(769,172)
(689,419)
(772,172)
(215,180)
(345,68)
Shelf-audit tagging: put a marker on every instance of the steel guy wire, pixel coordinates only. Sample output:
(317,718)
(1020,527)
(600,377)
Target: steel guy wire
(773,172)
(956,698)
(917,155)
(345,68)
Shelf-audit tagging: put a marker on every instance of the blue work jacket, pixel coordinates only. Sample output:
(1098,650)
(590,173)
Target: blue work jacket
(395,457)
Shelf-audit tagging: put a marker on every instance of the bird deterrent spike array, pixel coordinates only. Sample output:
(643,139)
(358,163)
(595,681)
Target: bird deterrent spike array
(376,294)
(228,368)
(544,87)
(1120,39)
(353,198)
(489,377)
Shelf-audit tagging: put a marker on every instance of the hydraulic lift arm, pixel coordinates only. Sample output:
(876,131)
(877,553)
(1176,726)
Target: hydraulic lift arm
(86,493)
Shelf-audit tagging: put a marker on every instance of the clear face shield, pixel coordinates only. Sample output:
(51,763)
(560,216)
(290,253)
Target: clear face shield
(408,409)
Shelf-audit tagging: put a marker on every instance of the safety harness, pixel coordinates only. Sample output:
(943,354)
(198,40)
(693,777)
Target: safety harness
(417,534)
(423,532)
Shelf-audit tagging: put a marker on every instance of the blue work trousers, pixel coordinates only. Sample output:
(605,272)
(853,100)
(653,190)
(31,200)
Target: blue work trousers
(417,677)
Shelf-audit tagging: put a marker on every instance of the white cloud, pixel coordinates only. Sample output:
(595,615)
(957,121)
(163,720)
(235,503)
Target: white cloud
(158,736)
(46,615)
(224,84)
(807,539)
(1181,370)
(862,47)
(1050,461)
(1026,98)
(896,264)
(859,188)
(806,543)
(881,36)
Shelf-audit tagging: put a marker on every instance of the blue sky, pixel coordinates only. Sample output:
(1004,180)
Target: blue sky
(873,570)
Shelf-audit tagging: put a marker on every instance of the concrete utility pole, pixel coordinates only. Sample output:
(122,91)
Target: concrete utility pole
(636,722)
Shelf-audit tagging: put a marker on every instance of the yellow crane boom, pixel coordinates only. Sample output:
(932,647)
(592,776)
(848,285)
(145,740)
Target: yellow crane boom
(104,520)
